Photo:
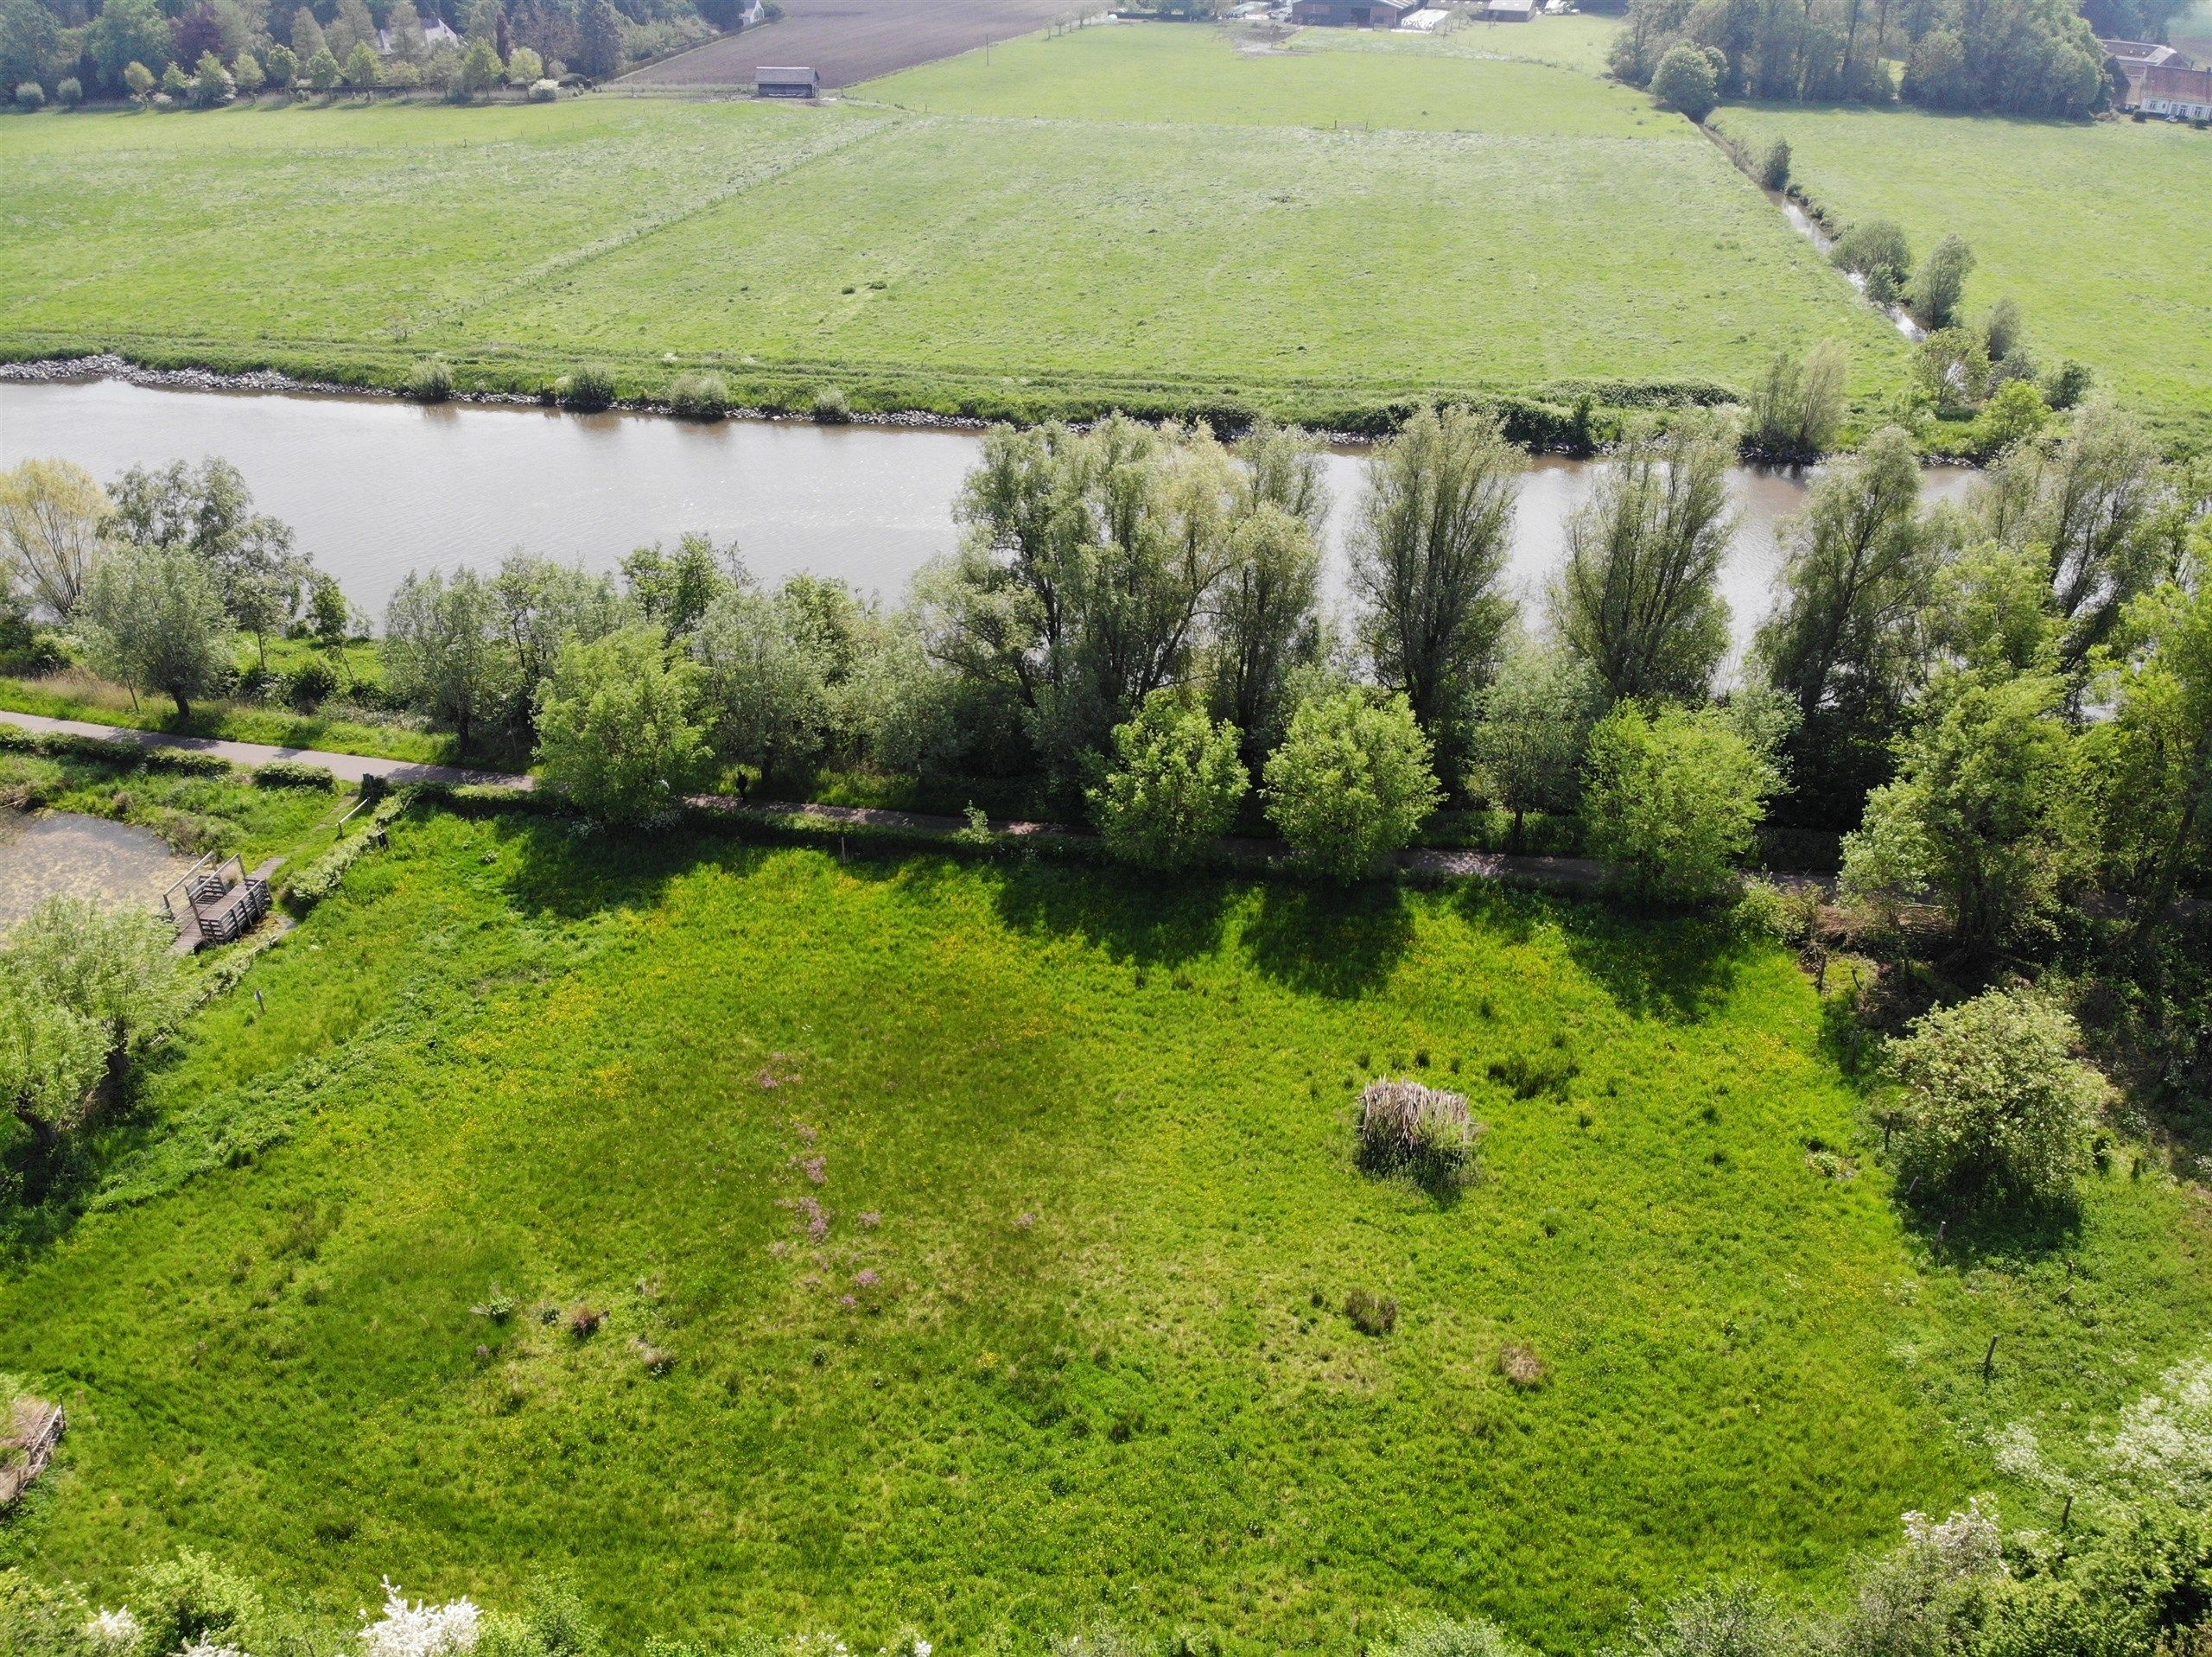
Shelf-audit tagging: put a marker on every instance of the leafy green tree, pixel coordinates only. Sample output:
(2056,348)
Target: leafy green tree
(353,25)
(403,30)
(675,589)
(323,73)
(1875,251)
(1983,812)
(127,32)
(1686,80)
(1674,799)
(617,728)
(52,531)
(1532,727)
(479,70)
(1992,1100)
(1990,614)
(1941,283)
(29,41)
(1174,784)
(283,67)
(175,83)
(767,694)
(138,80)
(599,40)
(153,620)
(1351,783)
(539,605)
(1639,598)
(1858,573)
(209,513)
(1428,555)
(524,67)
(362,68)
(307,36)
(1935,74)
(1265,629)
(1796,410)
(1774,165)
(443,650)
(213,86)
(249,74)
(2016,414)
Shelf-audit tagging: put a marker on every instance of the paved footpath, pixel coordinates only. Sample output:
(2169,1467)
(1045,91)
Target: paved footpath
(1580,872)
(350,766)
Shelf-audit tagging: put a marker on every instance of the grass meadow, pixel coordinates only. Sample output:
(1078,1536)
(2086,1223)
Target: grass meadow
(1472,224)
(974,1239)
(2095,229)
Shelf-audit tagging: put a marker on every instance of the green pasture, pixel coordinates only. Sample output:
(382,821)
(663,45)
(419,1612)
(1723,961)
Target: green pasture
(2096,230)
(1321,78)
(1548,230)
(975,1239)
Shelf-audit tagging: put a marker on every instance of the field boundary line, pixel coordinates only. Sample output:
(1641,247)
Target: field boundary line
(856,131)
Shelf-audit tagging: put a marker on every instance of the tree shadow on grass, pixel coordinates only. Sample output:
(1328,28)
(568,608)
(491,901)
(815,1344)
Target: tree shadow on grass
(1969,1231)
(556,867)
(1328,940)
(1152,920)
(1675,966)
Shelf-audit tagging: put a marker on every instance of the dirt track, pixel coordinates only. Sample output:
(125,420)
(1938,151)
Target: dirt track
(851,41)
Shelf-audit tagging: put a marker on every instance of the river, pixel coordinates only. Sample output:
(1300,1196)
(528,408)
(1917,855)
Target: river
(376,487)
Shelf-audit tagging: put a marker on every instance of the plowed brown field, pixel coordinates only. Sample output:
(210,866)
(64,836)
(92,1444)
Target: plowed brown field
(852,40)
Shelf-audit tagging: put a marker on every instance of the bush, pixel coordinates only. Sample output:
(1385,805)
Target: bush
(189,762)
(1876,252)
(588,387)
(1674,800)
(213,86)
(544,92)
(30,96)
(1371,1314)
(1435,1637)
(699,397)
(1774,166)
(617,727)
(190,1601)
(292,773)
(1405,1128)
(1686,80)
(311,687)
(831,407)
(70,92)
(1993,1101)
(1174,787)
(1350,783)
(430,380)
(282,65)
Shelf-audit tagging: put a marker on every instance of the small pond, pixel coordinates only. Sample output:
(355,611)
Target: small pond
(50,854)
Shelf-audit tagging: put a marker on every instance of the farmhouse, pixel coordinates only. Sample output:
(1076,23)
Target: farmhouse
(2179,94)
(786,83)
(436,32)
(2148,55)
(1353,14)
(1508,11)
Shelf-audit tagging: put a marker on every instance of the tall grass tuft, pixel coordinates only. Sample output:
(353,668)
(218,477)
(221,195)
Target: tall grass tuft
(831,407)
(430,380)
(588,387)
(1405,1128)
(699,397)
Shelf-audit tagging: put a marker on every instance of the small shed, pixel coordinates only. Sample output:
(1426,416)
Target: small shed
(786,83)
(1509,11)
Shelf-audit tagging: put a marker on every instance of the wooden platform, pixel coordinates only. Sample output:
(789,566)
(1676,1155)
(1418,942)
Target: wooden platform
(31,1429)
(217,904)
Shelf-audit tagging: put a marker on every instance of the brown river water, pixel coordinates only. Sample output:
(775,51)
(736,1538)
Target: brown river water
(376,487)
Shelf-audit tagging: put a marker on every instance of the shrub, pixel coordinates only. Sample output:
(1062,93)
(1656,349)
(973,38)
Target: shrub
(1875,251)
(362,68)
(430,380)
(213,86)
(1796,412)
(322,70)
(292,773)
(30,95)
(544,92)
(190,1601)
(588,387)
(699,397)
(247,71)
(617,731)
(1774,166)
(190,762)
(1371,1314)
(312,686)
(1404,1126)
(524,67)
(1174,787)
(70,92)
(282,65)
(139,81)
(1673,800)
(1993,1101)
(1435,1637)
(1723,1620)
(1351,783)
(1685,80)
(175,82)
(831,407)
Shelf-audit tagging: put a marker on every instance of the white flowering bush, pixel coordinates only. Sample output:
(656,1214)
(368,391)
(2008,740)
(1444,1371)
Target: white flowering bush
(2164,1441)
(1964,1546)
(407,1630)
(114,1633)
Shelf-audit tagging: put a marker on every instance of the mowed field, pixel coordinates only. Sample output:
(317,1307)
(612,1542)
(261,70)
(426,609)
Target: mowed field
(1140,216)
(853,39)
(975,1239)
(2096,230)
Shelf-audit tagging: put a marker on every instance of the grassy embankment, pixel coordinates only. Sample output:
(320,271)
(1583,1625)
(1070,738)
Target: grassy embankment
(1091,1136)
(1497,226)
(2095,229)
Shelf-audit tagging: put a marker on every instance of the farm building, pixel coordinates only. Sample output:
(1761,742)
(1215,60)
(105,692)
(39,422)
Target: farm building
(786,83)
(2145,54)
(1509,11)
(436,32)
(2177,93)
(1353,14)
